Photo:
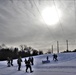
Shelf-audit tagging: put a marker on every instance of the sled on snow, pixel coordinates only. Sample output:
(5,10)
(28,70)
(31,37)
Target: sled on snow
(45,61)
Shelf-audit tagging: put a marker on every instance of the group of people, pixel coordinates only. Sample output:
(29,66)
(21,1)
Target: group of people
(28,63)
(54,57)
(9,61)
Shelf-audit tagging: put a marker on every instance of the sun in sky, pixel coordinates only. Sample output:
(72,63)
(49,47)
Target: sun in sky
(51,15)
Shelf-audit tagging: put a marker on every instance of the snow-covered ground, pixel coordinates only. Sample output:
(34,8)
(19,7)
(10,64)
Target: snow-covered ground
(66,65)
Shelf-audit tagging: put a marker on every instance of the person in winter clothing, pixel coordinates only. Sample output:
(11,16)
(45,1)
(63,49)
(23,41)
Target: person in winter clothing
(28,65)
(8,62)
(47,58)
(55,57)
(32,61)
(19,60)
(11,61)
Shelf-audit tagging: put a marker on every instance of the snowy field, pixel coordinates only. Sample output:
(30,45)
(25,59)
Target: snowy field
(66,65)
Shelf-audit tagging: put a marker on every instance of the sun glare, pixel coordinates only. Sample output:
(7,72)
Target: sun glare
(51,16)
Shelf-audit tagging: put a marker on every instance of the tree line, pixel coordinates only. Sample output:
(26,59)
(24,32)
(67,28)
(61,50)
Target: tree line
(24,51)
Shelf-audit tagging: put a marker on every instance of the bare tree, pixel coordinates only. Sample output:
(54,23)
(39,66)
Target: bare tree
(23,47)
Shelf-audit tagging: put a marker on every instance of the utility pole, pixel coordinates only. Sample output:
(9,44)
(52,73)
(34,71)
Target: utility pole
(52,49)
(57,47)
(67,44)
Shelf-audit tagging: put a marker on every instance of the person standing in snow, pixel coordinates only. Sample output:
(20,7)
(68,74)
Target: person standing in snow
(56,57)
(11,60)
(47,58)
(32,60)
(8,62)
(53,56)
(19,60)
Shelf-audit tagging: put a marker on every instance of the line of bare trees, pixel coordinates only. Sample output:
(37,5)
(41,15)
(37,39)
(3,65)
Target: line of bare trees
(24,51)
